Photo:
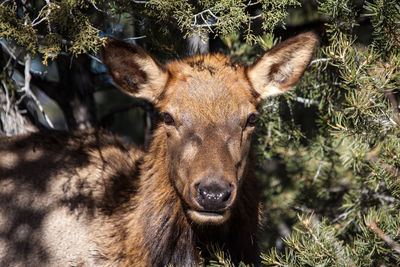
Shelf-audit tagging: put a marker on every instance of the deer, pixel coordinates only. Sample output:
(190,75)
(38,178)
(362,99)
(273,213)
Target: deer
(87,198)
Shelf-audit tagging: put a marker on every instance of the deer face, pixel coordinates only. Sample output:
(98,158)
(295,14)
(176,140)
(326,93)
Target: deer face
(208,109)
(208,116)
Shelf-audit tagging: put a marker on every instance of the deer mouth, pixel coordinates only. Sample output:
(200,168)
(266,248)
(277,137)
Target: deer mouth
(209,217)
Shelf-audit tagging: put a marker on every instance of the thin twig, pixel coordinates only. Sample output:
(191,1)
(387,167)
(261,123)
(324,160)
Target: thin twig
(135,38)
(315,61)
(306,223)
(374,227)
(343,215)
(306,101)
(252,3)
(317,173)
(48,4)
(94,58)
(9,51)
(207,24)
(256,16)
(35,22)
(384,113)
(100,10)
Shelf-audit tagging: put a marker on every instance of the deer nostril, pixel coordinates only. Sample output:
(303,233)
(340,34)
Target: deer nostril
(213,196)
(226,196)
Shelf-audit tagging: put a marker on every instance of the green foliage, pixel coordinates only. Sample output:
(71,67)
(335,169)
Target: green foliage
(13,28)
(339,159)
(221,18)
(312,243)
(341,15)
(385,19)
(72,23)
(372,244)
(219,257)
(67,26)
(275,11)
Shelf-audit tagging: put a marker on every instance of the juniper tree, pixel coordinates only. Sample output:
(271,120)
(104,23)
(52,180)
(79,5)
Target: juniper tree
(327,150)
(343,171)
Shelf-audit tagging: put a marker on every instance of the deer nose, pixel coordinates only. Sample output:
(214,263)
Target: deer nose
(214,196)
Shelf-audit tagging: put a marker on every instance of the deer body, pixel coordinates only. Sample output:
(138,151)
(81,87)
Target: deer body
(86,199)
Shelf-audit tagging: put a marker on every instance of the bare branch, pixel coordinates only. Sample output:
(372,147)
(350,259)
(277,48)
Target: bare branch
(98,9)
(11,52)
(12,122)
(94,58)
(45,18)
(8,104)
(250,3)
(135,38)
(26,88)
(256,16)
(35,22)
(208,25)
(315,61)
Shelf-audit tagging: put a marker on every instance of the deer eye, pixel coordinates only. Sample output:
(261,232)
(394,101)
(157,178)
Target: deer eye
(252,119)
(167,118)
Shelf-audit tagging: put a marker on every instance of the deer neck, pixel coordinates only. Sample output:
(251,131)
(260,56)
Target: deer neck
(161,227)
(159,230)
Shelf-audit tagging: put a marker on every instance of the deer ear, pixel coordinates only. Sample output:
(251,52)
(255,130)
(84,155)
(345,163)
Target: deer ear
(283,65)
(133,70)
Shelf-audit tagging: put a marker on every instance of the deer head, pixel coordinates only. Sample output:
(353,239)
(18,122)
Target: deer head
(209,108)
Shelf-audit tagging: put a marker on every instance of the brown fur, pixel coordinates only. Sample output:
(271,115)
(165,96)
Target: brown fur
(86,199)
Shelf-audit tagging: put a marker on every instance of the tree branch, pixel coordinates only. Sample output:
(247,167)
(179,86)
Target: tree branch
(306,224)
(374,227)
(27,90)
